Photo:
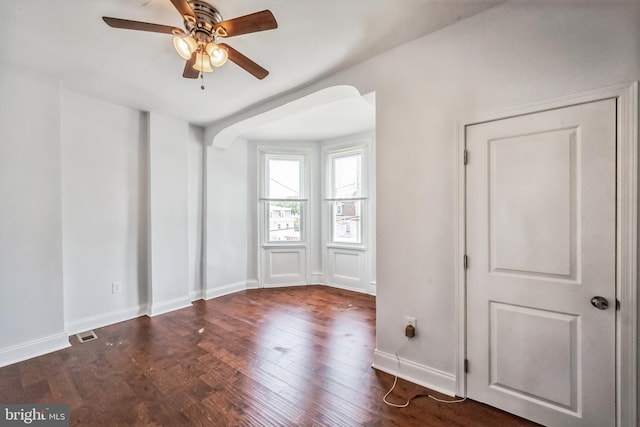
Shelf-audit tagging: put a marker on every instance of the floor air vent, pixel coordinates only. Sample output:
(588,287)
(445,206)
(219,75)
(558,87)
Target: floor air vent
(87,336)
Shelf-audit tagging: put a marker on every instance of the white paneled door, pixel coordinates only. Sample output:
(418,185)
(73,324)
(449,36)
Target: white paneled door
(541,230)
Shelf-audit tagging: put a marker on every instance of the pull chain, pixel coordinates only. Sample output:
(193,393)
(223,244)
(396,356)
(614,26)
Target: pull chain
(202,72)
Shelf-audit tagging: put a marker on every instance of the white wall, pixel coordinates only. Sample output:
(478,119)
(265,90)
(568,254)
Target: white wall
(168,214)
(31,302)
(253,168)
(508,56)
(104,198)
(115,229)
(196,197)
(514,54)
(77,215)
(226,220)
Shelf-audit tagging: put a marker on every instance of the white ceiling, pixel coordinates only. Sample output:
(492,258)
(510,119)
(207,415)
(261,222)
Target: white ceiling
(311,121)
(329,113)
(68,39)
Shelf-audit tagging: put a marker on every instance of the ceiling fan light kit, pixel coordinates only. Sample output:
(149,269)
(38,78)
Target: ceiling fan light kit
(203,63)
(185,45)
(217,55)
(199,44)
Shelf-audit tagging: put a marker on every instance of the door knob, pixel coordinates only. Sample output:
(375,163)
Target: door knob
(600,303)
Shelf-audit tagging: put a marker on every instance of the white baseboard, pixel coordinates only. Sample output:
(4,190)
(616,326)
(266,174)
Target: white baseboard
(373,288)
(283,285)
(219,291)
(347,288)
(316,278)
(158,308)
(196,295)
(105,319)
(34,348)
(416,373)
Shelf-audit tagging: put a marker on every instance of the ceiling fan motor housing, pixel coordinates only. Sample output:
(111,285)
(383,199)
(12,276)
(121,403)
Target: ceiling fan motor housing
(206,17)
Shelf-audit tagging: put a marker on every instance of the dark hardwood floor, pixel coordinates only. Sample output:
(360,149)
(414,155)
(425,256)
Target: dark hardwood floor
(270,357)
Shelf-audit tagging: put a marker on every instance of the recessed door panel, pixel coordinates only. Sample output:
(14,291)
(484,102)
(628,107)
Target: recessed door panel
(532,203)
(519,365)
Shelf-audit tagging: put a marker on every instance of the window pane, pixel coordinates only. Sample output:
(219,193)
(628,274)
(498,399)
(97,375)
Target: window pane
(284,221)
(347,224)
(347,176)
(284,179)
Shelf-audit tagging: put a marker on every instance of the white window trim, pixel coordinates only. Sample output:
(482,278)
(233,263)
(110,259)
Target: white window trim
(266,153)
(266,218)
(273,155)
(331,153)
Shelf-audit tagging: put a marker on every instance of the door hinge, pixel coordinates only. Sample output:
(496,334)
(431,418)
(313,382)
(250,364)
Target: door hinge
(466,157)
(465,262)
(617,304)
(466,366)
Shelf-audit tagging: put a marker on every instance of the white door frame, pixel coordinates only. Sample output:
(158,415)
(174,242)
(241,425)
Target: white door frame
(626,96)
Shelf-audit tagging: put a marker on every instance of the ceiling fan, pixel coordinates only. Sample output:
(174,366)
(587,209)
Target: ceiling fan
(198,42)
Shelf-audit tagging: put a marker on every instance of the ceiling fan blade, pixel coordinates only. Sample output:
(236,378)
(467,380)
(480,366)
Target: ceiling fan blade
(259,21)
(184,8)
(190,72)
(244,62)
(141,26)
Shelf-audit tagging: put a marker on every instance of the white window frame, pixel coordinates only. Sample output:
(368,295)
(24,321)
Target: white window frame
(264,199)
(332,153)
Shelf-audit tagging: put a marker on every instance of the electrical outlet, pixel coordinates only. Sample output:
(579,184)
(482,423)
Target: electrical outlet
(409,326)
(408,320)
(116,287)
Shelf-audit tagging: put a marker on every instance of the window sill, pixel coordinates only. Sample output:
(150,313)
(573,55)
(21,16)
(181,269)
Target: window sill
(296,245)
(358,248)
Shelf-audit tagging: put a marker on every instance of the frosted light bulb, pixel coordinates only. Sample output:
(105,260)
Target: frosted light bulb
(218,55)
(185,46)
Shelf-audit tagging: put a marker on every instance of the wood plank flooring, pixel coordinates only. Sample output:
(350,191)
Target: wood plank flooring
(270,357)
